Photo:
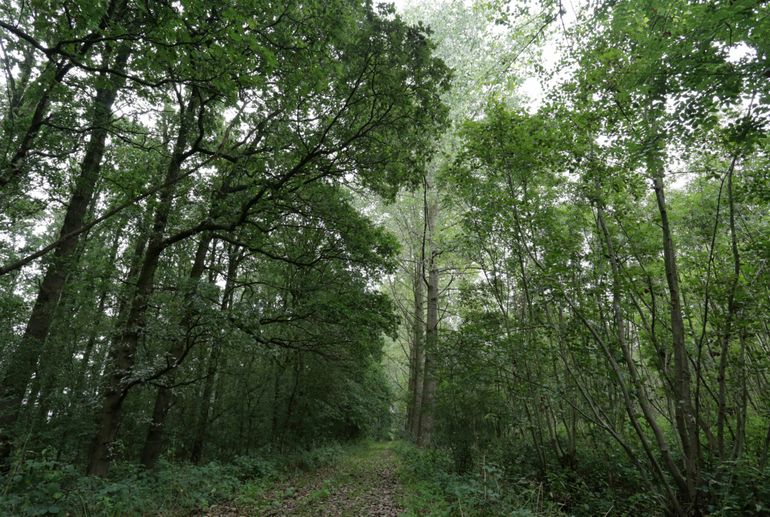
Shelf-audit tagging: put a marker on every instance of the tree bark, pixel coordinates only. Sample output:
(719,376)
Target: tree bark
(15,166)
(641,395)
(202,423)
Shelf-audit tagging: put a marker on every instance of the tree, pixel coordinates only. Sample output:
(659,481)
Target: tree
(212,127)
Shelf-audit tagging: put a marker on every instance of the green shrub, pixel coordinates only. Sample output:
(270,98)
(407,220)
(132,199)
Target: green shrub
(44,486)
(37,486)
(738,488)
(435,489)
(314,458)
(47,487)
(252,467)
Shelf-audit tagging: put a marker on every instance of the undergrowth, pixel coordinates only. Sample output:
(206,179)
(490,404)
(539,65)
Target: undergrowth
(43,486)
(434,489)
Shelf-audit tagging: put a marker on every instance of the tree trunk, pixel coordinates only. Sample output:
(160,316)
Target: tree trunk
(77,390)
(153,444)
(636,380)
(121,360)
(732,309)
(683,409)
(16,90)
(417,353)
(201,425)
(427,405)
(25,357)
(14,167)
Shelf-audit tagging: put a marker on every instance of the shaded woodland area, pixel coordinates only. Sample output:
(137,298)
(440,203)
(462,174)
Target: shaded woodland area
(237,237)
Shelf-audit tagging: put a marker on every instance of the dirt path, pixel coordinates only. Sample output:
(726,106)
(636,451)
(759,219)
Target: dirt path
(362,483)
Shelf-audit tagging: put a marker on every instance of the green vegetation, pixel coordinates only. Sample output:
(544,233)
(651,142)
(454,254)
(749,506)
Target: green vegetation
(45,487)
(328,257)
(434,487)
(361,480)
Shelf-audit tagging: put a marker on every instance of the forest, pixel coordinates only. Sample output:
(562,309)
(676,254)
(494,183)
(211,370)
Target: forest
(349,257)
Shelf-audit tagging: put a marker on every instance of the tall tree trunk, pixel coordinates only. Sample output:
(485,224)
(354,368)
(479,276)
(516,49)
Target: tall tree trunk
(80,381)
(636,380)
(201,426)
(15,166)
(427,405)
(732,309)
(740,425)
(122,354)
(417,353)
(204,410)
(683,409)
(17,89)
(25,357)
(164,398)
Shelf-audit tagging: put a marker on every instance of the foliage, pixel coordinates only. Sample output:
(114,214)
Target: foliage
(186,174)
(44,486)
(234,233)
(434,488)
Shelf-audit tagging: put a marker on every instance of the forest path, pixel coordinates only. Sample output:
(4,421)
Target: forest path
(364,482)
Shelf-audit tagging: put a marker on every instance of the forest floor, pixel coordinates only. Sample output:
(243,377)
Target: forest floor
(363,482)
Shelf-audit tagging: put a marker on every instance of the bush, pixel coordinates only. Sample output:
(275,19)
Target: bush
(42,486)
(314,458)
(738,488)
(436,490)
(252,467)
(38,486)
